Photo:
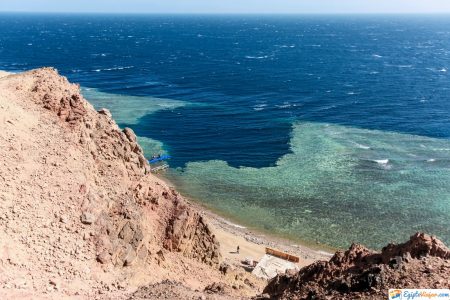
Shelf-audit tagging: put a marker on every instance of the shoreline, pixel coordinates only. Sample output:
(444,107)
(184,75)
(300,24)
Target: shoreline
(4,73)
(231,235)
(252,242)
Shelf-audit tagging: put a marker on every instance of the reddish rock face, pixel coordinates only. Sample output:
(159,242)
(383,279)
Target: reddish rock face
(66,103)
(419,245)
(423,262)
(189,234)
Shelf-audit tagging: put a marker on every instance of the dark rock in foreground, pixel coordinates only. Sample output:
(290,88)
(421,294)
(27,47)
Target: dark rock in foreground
(359,273)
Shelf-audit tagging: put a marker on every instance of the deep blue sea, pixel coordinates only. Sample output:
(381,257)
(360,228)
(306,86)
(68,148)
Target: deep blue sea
(327,129)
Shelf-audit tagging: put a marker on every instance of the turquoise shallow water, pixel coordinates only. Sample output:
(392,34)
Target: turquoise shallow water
(339,183)
(129,109)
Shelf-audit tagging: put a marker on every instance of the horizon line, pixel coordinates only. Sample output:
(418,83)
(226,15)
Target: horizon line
(222,13)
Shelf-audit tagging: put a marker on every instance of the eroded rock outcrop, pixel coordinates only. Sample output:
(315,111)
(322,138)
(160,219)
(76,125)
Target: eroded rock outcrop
(361,273)
(189,234)
(419,245)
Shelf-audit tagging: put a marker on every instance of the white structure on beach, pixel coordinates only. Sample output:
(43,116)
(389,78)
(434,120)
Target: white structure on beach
(270,266)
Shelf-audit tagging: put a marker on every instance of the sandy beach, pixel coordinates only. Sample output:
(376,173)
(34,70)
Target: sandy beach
(252,245)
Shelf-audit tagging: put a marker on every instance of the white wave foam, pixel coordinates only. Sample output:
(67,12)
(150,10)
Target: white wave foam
(286,46)
(256,57)
(233,224)
(118,68)
(153,83)
(399,66)
(442,70)
(99,54)
(381,161)
(361,146)
(431,160)
(114,69)
(326,107)
(259,107)
(284,105)
(377,56)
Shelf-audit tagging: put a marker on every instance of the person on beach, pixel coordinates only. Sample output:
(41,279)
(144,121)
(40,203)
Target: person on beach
(237,249)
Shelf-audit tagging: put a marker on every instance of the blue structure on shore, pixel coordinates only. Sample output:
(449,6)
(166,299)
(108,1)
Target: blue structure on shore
(159,158)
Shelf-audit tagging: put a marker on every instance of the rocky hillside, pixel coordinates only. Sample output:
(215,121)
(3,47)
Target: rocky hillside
(80,213)
(359,273)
